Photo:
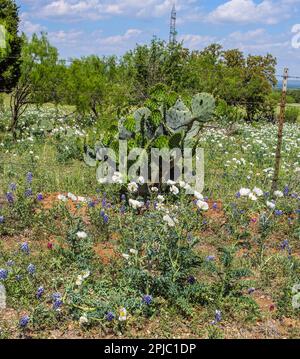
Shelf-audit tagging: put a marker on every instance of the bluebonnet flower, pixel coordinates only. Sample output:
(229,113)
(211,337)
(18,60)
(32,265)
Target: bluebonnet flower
(204,222)
(278,212)
(123,197)
(1,219)
(210,258)
(10,197)
(215,206)
(57,301)
(155,204)
(57,304)
(104,202)
(123,209)
(148,203)
(28,192)
(25,248)
(31,269)
(189,238)
(251,290)
(40,292)
(102,213)
(238,195)
(106,219)
(91,204)
(191,280)
(218,317)
(286,190)
(29,177)
(13,187)
(3,274)
(39,197)
(10,263)
(284,244)
(24,321)
(147,299)
(18,277)
(110,316)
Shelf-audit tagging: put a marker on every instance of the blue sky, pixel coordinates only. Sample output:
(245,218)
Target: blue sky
(103,27)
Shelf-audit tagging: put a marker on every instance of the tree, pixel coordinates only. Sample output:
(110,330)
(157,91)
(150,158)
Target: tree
(10,54)
(94,85)
(157,63)
(38,71)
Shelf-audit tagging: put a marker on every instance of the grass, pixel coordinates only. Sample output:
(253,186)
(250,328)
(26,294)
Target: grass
(240,257)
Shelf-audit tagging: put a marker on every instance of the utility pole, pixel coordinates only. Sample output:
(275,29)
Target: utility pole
(173,32)
(280,130)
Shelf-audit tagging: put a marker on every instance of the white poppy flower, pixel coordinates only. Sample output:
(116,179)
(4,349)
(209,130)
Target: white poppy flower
(170,221)
(154,189)
(133,187)
(252,197)
(258,191)
(271,205)
(244,192)
(123,315)
(160,198)
(174,190)
(81,235)
(278,194)
(135,204)
(202,205)
(83,320)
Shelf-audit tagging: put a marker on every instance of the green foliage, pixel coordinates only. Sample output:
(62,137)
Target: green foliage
(292,114)
(10,55)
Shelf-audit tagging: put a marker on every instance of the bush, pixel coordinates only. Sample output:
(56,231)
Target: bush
(291,114)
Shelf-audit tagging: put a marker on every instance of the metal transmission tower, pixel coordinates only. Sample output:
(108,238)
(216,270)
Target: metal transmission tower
(173,32)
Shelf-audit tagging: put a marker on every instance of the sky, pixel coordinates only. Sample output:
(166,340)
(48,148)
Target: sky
(105,27)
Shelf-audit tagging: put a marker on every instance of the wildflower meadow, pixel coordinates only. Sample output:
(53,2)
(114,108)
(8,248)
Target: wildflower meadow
(101,242)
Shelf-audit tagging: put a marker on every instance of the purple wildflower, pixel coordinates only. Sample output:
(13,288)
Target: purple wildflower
(24,321)
(39,197)
(25,248)
(110,316)
(210,258)
(218,317)
(106,219)
(40,292)
(29,177)
(3,274)
(147,299)
(31,269)
(13,187)
(10,197)
(28,192)
(191,280)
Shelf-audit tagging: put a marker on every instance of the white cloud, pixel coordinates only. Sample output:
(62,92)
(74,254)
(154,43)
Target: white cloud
(247,11)
(119,39)
(98,9)
(196,41)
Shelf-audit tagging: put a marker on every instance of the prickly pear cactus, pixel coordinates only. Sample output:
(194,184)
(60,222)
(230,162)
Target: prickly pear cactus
(203,106)
(159,124)
(178,116)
